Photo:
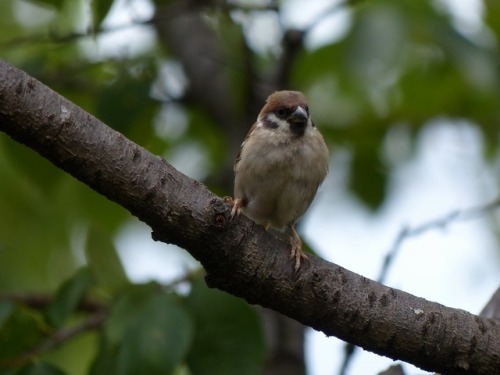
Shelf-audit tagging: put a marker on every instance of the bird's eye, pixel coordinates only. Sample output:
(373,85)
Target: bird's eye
(307,108)
(281,112)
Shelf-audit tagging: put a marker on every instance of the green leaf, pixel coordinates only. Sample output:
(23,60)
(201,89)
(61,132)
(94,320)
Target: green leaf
(21,331)
(126,105)
(100,9)
(147,332)
(68,296)
(103,260)
(40,368)
(228,338)
(127,308)
(159,339)
(29,200)
(368,180)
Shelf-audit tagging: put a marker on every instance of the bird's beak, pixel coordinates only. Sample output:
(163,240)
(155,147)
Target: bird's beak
(298,118)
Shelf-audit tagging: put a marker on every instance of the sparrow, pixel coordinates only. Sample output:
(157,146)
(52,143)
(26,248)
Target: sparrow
(280,165)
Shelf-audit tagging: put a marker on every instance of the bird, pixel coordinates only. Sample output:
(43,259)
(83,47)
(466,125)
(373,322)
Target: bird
(280,165)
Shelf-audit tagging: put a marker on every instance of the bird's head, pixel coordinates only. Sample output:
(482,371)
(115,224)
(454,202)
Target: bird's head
(286,111)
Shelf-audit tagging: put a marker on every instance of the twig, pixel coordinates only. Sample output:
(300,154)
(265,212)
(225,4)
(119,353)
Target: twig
(59,337)
(439,223)
(492,308)
(407,232)
(52,37)
(349,350)
(40,301)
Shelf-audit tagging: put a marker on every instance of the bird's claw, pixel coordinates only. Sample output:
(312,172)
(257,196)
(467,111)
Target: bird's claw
(236,205)
(297,253)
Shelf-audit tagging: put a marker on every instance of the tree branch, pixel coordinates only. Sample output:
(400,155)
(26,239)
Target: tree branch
(239,256)
(60,337)
(40,301)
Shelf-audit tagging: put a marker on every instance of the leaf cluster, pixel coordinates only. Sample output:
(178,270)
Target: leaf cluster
(143,328)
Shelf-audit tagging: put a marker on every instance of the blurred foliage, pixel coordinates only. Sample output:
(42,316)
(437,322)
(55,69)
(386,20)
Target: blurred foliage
(397,64)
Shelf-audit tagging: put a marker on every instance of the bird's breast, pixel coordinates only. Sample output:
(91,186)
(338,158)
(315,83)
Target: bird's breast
(280,179)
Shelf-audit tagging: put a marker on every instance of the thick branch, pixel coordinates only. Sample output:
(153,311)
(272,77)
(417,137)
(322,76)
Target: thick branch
(239,256)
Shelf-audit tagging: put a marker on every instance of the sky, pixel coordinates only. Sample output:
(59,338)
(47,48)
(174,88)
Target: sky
(458,266)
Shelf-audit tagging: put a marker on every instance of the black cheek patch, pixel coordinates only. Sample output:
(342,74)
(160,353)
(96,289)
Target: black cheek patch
(269,124)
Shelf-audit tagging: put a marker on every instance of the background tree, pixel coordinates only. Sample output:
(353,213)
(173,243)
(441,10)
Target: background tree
(198,88)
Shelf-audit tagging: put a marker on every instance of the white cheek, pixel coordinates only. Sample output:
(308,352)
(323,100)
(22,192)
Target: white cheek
(281,132)
(282,124)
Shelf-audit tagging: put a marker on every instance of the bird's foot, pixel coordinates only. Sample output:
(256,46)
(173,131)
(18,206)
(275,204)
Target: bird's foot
(297,253)
(236,206)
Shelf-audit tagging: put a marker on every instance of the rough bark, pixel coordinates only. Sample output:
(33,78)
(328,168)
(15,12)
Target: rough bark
(239,256)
